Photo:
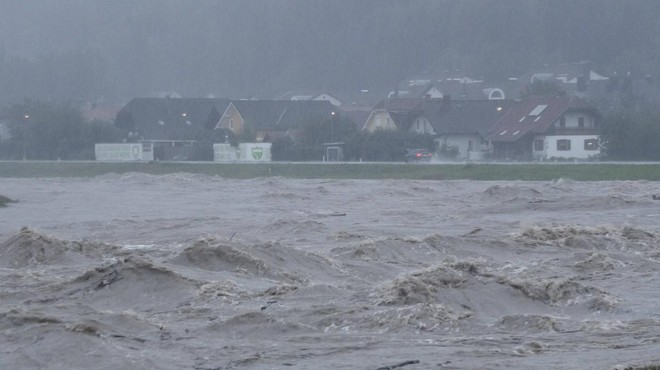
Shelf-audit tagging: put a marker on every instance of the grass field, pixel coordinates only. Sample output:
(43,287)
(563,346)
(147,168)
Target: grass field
(469,171)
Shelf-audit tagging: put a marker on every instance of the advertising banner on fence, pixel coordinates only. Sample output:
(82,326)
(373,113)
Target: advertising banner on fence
(121,152)
(245,152)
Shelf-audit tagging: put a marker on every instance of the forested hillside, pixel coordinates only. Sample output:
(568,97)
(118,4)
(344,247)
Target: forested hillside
(69,49)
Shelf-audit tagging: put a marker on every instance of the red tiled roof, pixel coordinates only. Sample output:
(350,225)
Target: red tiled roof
(529,116)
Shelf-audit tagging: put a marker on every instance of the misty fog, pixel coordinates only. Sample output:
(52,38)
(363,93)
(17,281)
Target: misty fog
(117,50)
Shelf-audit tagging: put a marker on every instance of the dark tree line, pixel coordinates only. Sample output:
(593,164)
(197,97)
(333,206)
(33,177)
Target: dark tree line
(49,131)
(632,133)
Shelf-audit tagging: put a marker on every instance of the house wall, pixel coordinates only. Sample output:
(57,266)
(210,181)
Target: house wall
(379,120)
(577,147)
(232,120)
(520,150)
(573,119)
(470,147)
(421,125)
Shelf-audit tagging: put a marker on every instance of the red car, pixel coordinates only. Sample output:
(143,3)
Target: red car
(418,155)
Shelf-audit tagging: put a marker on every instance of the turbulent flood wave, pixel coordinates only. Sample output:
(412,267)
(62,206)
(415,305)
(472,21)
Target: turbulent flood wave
(308,274)
(124,300)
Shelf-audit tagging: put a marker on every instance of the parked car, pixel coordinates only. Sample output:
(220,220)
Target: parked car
(418,155)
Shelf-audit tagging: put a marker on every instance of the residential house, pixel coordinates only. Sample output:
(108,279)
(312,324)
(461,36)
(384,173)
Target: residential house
(269,119)
(564,74)
(171,127)
(307,95)
(456,87)
(328,97)
(391,114)
(605,93)
(460,127)
(547,128)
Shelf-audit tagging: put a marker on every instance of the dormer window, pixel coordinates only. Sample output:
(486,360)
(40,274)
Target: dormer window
(538,110)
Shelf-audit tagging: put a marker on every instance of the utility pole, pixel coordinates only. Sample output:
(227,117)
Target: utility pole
(27,119)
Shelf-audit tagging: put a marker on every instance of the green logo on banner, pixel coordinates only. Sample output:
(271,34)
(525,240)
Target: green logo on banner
(257,153)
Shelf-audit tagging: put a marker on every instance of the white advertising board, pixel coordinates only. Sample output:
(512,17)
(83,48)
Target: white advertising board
(118,152)
(246,152)
(255,152)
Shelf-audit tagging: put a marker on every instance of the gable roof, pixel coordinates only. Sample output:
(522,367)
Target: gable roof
(535,115)
(402,111)
(464,116)
(282,114)
(170,118)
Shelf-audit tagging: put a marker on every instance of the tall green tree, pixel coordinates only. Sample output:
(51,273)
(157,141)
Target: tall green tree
(43,130)
(632,133)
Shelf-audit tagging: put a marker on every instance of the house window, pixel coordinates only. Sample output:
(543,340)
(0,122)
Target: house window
(538,145)
(563,144)
(562,122)
(591,144)
(470,145)
(581,122)
(418,126)
(231,124)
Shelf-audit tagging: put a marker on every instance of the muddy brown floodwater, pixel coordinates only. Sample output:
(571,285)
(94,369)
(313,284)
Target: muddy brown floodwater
(196,272)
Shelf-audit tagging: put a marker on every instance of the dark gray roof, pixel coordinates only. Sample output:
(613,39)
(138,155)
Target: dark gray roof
(464,116)
(171,118)
(278,115)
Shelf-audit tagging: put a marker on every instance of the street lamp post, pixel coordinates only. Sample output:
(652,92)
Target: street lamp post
(332,127)
(27,119)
